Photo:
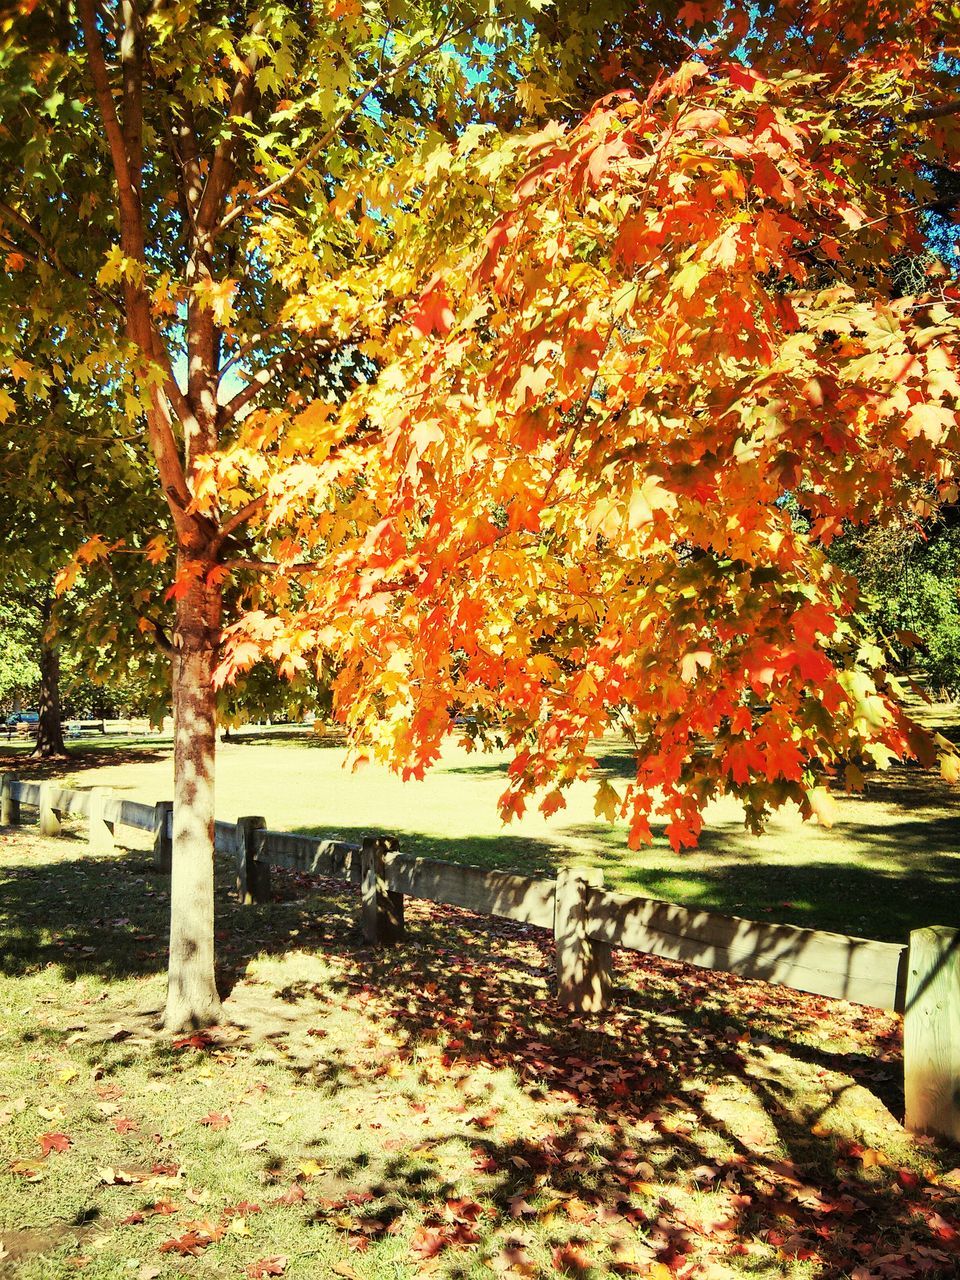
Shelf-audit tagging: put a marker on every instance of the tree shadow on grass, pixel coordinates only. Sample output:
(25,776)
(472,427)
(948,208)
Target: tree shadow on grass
(635,1149)
(641,1141)
(108,915)
(78,758)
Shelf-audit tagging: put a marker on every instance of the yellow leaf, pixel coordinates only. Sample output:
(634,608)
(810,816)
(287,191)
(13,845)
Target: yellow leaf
(823,805)
(607,801)
(310,1168)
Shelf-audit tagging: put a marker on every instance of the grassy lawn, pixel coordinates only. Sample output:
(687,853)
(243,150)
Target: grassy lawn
(428,1109)
(889,864)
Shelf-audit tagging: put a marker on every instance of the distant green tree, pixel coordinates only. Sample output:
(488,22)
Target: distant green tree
(910,577)
(19,670)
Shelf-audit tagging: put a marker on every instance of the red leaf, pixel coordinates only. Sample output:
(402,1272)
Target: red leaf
(189,1245)
(217,1120)
(571,1259)
(433,314)
(427,1242)
(267,1267)
(54,1142)
(198,1040)
(294,1195)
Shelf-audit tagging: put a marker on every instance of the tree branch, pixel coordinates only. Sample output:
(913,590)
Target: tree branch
(934,113)
(262,378)
(131,219)
(234,522)
(220,174)
(131,64)
(273,566)
(324,141)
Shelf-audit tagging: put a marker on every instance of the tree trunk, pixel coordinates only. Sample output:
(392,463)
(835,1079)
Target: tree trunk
(192,999)
(50,745)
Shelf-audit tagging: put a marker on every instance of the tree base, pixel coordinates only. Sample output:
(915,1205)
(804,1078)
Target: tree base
(181,1017)
(50,755)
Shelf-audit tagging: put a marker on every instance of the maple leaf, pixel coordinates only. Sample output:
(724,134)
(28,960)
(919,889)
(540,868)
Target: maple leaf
(216,1120)
(690,13)
(275,1266)
(433,313)
(572,1260)
(427,1242)
(54,1142)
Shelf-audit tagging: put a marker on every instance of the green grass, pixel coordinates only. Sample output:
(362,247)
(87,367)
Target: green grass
(891,862)
(429,1092)
(433,1094)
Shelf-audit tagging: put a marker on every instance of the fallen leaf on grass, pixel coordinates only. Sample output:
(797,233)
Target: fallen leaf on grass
(267,1267)
(217,1120)
(199,1040)
(31,1170)
(243,1210)
(293,1195)
(119,1177)
(570,1258)
(427,1242)
(345,1269)
(193,1242)
(54,1142)
(513,1260)
(310,1168)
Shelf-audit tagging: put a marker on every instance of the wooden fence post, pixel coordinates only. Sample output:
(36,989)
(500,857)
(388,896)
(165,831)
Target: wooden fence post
(162,837)
(253,875)
(100,832)
(9,803)
(584,967)
(931,1033)
(49,816)
(381,910)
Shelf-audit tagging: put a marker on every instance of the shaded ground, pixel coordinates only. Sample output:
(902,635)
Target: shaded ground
(429,1108)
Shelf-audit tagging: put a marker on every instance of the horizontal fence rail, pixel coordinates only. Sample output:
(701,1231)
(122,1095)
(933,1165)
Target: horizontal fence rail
(920,981)
(825,964)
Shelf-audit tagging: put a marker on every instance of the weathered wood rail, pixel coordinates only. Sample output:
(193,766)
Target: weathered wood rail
(920,980)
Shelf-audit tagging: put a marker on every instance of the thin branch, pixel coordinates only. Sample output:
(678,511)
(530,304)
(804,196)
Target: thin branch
(129,200)
(12,247)
(233,523)
(22,224)
(324,141)
(220,173)
(262,378)
(247,347)
(951,108)
(274,566)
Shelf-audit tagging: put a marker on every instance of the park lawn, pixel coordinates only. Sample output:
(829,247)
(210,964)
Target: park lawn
(890,863)
(428,1109)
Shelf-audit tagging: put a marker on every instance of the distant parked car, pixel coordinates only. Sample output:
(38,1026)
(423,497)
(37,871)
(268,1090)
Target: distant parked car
(23,717)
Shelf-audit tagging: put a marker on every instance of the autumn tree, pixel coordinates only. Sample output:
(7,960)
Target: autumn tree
(195,202)
(599,472)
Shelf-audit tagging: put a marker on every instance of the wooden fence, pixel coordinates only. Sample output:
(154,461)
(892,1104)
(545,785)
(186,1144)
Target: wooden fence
(920,980)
